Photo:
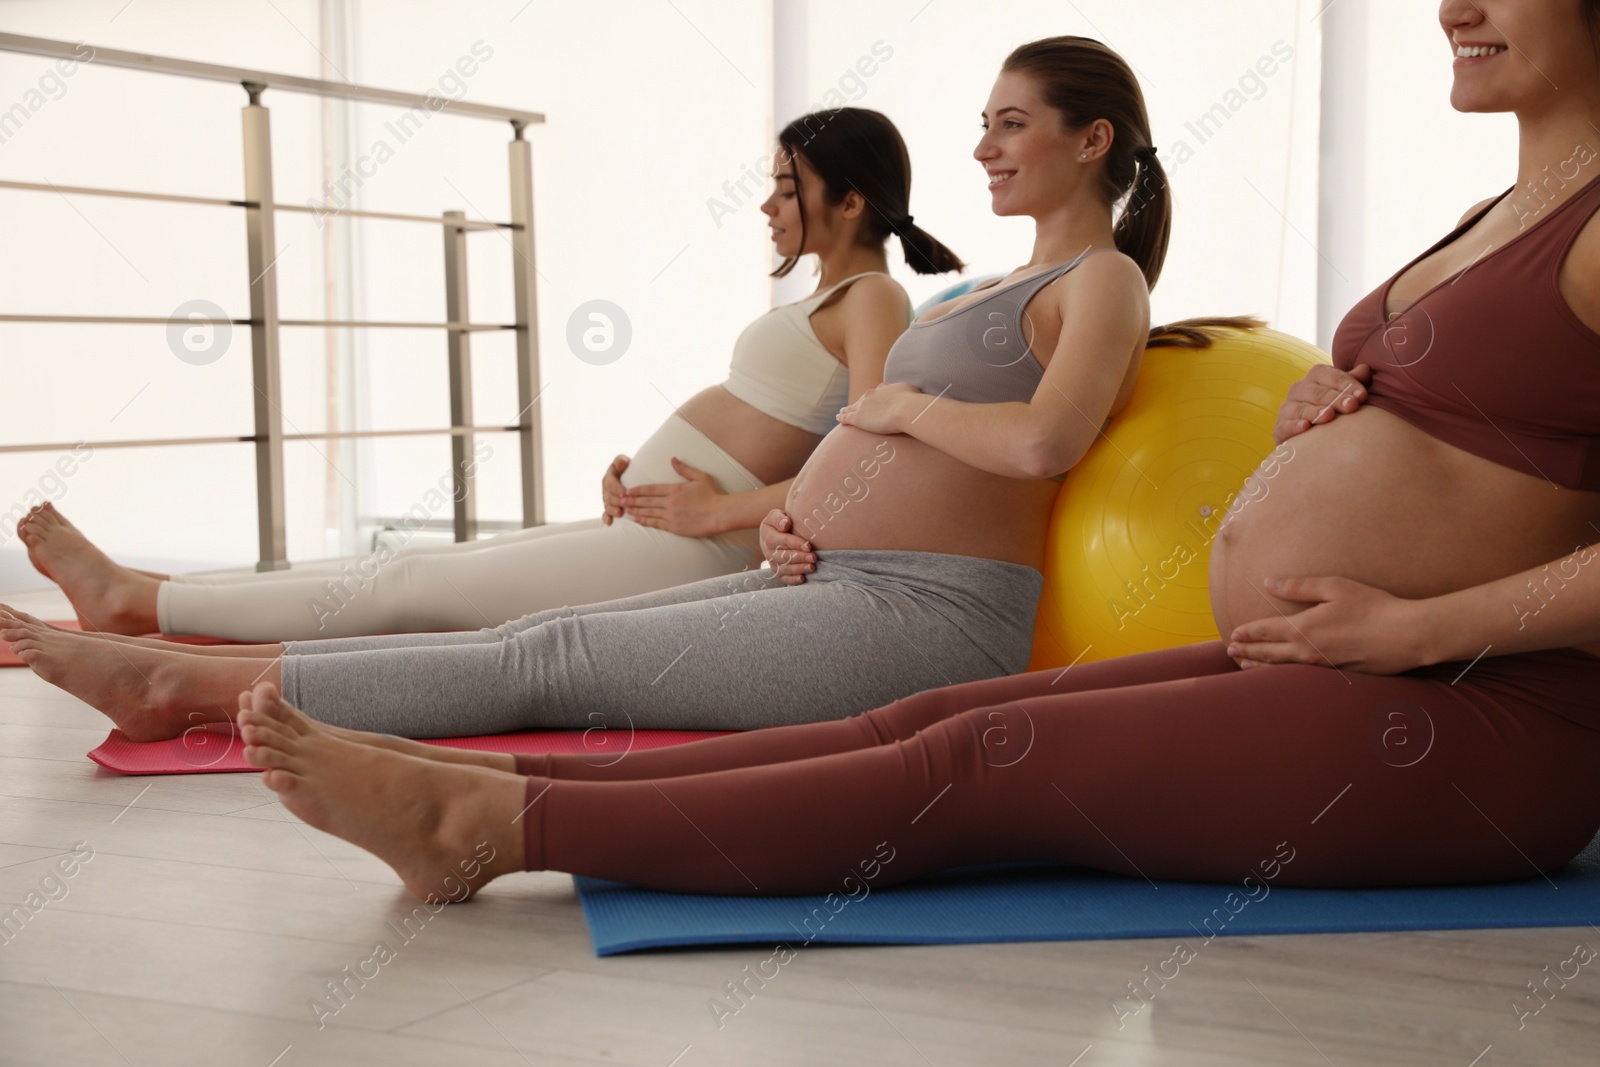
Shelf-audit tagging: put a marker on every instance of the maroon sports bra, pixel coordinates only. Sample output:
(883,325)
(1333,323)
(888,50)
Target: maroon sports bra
(1493,360)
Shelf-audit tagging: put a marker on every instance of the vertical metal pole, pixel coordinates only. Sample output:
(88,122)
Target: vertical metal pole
(262,242)
(460,342)
(525,278)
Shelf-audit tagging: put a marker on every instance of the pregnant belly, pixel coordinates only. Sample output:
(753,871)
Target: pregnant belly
(1372,498)
(867,490)
(740,447)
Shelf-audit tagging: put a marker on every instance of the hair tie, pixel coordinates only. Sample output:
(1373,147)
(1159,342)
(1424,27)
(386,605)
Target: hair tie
(902,223)
(1145,153)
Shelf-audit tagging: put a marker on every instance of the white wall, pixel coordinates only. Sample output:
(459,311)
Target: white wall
(1400,166)
(652,108)
(1228,251)
(1426,163)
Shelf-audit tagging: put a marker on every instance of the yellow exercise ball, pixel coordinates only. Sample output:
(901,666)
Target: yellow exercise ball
(1130,537)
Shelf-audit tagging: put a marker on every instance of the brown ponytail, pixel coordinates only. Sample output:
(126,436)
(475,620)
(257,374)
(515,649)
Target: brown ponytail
(1084,81)
(853,148)
(924,253)
(1198,333)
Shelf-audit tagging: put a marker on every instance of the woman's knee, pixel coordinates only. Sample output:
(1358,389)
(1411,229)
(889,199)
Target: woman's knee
(900,720)
(999,736)
(400,574)
(397,590)
(1545,834)
(511,629)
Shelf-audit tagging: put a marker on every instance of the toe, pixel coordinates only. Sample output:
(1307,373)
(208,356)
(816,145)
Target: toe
(267,703)
(293,718)
(269,758)
(274,778)
(263,701)
(20,618)
(255,732)
(252,717)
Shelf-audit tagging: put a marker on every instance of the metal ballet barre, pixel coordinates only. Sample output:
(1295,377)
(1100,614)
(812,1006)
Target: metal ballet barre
(260,209)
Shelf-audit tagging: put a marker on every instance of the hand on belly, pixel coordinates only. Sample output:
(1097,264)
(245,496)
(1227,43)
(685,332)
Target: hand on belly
(1370,498)
(1334,622)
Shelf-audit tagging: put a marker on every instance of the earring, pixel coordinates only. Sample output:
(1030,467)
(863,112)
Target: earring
(1083,155)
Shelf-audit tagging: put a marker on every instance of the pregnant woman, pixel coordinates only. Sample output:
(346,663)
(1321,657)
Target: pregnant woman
(1426,716)
(928,507)
(683,509)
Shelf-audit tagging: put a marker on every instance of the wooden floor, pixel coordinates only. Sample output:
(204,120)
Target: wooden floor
(209,919)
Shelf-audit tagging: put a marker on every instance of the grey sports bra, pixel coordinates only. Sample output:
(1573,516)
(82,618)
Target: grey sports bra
(977,353)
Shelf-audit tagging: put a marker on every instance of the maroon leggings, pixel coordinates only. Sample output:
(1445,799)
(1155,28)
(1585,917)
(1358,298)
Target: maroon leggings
(1165,765)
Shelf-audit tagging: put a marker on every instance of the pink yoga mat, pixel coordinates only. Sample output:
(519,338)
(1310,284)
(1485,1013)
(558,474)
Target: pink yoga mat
(215,748)
(9,658)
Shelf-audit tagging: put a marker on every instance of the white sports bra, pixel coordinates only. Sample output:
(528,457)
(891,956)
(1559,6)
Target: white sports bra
(781,369)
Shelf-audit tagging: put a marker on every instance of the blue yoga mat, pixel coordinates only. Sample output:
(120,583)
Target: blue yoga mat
(1039,902)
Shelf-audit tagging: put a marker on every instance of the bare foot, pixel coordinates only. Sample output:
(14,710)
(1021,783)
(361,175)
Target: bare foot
(446,829)
(9,613)
(150,694)
(498,761)
(229,651)
(106,595)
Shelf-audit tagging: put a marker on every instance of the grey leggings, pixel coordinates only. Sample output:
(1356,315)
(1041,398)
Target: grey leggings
(730,653)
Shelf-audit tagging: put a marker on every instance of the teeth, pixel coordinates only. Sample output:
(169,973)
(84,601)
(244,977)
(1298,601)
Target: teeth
(1464,52)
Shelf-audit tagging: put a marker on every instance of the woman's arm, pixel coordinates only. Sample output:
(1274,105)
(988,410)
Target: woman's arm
(1105,311)
(1556,605)
(875,312)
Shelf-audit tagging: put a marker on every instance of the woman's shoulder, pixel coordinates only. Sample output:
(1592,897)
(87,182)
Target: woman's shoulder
(1107,272)
(874,285)
(1475,208)
(874,293)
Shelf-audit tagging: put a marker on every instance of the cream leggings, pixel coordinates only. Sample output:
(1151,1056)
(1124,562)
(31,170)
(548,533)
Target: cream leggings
(476,584)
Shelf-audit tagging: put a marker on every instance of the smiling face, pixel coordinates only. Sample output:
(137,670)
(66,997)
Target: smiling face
(1511,55)
(1031,159)
(782,208)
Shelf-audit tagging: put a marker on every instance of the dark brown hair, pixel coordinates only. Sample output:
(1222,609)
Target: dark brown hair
(1084,80)
(852,148)
(1198,333)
